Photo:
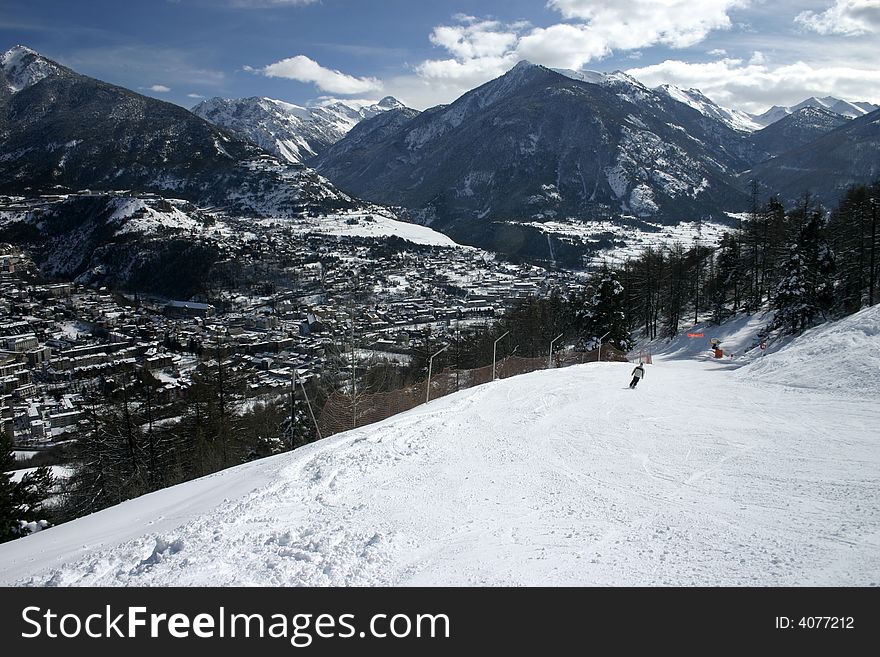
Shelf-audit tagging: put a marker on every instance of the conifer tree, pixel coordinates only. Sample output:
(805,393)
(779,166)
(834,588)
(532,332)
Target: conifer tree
(21,503)
(606,311)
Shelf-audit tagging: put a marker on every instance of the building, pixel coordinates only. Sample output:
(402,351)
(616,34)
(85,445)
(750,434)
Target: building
(186,309)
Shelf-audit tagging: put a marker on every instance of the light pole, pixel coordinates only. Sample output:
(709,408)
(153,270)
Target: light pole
(599,356)
(430,367)
(494,351)
(550,357)
(292,437)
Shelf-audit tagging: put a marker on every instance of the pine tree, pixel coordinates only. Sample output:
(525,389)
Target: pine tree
(794,311)
(21,503)
(606,310)
(807,288)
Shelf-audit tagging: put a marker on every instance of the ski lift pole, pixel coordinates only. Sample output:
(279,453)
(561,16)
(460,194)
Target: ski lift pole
(430,367)
(550,357)
(494,347)
(599,357)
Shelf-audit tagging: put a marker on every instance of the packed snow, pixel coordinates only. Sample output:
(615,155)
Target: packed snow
(706,474)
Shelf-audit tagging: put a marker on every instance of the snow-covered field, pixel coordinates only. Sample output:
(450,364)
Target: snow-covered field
(370,224)
(632,240)
(58,471)
(707,474)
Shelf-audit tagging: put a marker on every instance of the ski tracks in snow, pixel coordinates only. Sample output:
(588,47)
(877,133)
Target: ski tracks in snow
(556,477)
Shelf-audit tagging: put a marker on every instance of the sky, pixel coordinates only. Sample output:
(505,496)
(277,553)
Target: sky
(744,54)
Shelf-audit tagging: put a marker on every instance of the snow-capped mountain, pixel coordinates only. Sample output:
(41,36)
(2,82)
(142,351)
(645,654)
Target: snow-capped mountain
(695,98)
(23,67)
(830,103)
(522,482)
(827,165)
(63,129)
(795,130)
(534,144)
(290,131)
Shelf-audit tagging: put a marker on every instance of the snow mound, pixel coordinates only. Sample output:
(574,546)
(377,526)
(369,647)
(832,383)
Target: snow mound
(739,339)
(840,356)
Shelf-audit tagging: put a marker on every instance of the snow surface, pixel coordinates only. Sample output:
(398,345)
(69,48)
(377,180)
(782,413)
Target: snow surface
(842,356)
(631,241)
(704,475)
(58,471)
(25,67)
(294,132)
(372,223)
(695,98)
(830,103)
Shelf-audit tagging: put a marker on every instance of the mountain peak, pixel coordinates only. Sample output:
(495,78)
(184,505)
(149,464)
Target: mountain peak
(523,64)
(707,107)
(16,52)
(23,67)
(833,104)
(292,132)
(590,77)
(390,102)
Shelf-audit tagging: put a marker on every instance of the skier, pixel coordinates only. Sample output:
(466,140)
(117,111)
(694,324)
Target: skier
(637,373)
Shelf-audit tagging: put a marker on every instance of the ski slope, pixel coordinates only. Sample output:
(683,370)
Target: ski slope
(706,474)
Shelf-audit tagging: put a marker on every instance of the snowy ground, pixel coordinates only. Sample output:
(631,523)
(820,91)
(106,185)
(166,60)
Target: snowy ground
(634,241)
(707,474)
(58,471)
(368,224)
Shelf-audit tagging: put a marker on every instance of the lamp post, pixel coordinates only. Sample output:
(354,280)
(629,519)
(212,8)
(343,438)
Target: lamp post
(599,356)
(292,436)
(494,351)
(431,367)
(550,357)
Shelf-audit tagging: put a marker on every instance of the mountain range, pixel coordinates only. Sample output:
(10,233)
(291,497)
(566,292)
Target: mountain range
(62,130)
(830,103)
(534,145)
(291,132)
(538,144)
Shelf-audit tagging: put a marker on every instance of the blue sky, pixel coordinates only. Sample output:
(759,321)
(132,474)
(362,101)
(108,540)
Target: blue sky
(747,54)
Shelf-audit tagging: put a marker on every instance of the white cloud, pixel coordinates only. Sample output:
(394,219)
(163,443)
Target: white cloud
(480,49)
(303,69)
(160,89)
(196,96)
(844,17)
(475,39)
(601,27)
(755,85)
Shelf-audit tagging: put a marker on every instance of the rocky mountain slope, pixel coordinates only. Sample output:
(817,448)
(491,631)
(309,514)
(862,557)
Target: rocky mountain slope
(59,129)
(534,145)
(828,165)
(795,130)
(734,119)
(830,103)
(290,131)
